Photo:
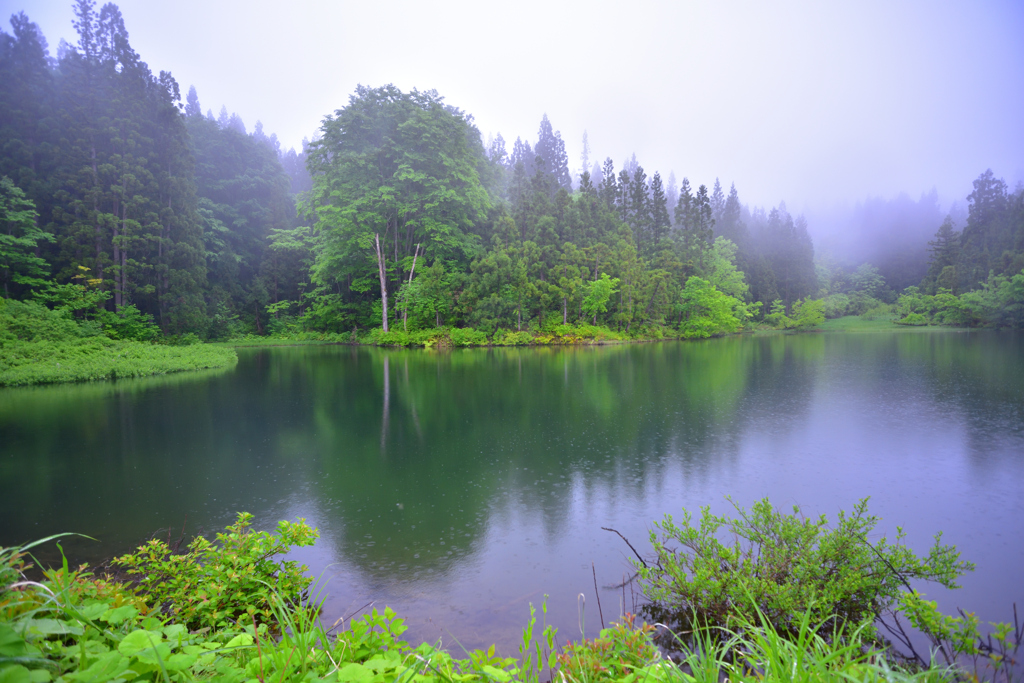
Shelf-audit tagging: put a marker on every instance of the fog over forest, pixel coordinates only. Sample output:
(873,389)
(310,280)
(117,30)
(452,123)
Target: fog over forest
(808,103)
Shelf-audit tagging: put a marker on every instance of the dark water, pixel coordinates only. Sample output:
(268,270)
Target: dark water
(459,487)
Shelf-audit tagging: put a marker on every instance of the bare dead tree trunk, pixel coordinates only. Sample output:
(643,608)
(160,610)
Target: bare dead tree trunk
(405,308)
(386,410)
(383,281)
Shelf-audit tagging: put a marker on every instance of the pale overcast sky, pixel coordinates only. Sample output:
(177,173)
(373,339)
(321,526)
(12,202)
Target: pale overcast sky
(813,103)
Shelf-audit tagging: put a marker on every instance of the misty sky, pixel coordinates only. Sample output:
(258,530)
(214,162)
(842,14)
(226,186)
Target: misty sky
(813,103)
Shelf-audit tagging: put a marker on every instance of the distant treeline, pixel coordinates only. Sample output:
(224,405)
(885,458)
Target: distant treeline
(120,200)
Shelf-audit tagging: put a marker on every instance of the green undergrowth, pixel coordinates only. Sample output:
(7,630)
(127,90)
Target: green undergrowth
(230,609)
(288,339)
(92,358)
(43,346)
(553,335)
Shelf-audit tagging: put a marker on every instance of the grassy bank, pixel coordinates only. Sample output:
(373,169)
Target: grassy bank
(43,346)
(92,358)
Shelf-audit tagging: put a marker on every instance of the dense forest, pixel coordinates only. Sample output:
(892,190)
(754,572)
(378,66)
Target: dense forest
(123,203)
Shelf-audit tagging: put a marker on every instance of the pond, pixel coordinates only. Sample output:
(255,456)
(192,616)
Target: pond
(459,487)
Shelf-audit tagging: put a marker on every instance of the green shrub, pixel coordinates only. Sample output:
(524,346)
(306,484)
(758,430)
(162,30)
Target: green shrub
(129,323)
(513,339)
(912,319)
(216,582)
(390,338)
(808,313)
(777,316)
(466,336)
(878,311)
(709,312)
(782,565)
(29,321)
(186,339)
(836,305)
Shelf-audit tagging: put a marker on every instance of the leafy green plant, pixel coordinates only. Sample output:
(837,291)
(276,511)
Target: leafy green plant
(216,582)
(128,323)
(617,652)
(915,319)
(522,338)
(777,316)
(466,337)
(958,639)
(784,565)
(709,312)
(808,313)
(533,653)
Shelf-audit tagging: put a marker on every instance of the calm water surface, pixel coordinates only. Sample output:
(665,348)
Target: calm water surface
(459,487)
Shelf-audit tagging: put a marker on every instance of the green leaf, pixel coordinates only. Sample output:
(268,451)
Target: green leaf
(119,614)
(52,627)
(93,611)
(137,641)
(174,631)
(11,643)
(355,673)
(180,661)
(496,673)
(241,640)
(107,667)
(15,674)
(381,664)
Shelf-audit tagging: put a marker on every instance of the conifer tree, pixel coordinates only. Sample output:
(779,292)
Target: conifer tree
(551,149)
(638,209)
(608,188)
(660,222)
(192,107)
(717,201)
(683,214)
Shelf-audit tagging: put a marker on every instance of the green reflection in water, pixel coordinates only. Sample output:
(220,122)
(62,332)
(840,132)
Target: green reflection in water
(402,455)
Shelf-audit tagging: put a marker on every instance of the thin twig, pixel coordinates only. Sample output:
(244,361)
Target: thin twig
(177,544)
(598,594)
(627,543)
(341,621)
(622,585)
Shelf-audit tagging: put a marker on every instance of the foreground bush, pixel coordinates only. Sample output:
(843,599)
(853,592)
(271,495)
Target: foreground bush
(216,583)
(780,566)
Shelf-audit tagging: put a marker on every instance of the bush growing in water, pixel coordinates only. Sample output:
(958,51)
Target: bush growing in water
(779,566)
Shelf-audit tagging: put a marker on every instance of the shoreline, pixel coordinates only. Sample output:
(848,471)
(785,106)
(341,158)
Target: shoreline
(112,360)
